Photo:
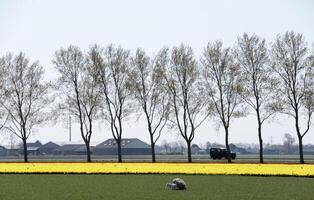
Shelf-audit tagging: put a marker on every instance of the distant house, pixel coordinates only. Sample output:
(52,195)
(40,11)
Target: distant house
(71,149)
(13,151)
(308,149)
(3,151)
(129,146)
(32,148)
(275,149)
(48,148)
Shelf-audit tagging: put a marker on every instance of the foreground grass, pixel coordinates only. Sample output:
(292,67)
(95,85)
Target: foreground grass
(94,187)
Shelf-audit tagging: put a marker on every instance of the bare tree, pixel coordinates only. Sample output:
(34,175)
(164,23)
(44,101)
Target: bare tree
(147,85)
(258,81)
(79,89)
(288,141)
(186,93)
(12,141)
(26,96)
(208,145)
(114,67)
(3,115)
(165,145)
(222,78)
(291,62)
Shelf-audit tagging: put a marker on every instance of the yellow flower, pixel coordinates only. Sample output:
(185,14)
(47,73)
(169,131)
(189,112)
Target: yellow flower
(160,168)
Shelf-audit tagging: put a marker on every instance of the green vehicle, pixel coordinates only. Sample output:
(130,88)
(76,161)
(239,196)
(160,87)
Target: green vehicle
(218,153)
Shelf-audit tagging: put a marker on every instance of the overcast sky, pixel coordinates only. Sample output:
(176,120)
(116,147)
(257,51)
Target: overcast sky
(40,27)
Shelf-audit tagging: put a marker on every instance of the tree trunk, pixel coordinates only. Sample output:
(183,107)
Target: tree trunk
(152,144)
(88,152)
(301,149)
(261,159)
(227,143)
(260,139)
(188,144)
(119,151)
(299,136)
(25,150)
(153,150)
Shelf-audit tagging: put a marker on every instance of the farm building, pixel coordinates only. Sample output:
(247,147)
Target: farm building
(48,148)
(129,146)
(71,149)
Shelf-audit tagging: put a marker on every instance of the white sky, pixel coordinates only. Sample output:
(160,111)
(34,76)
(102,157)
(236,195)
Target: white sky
(40,27)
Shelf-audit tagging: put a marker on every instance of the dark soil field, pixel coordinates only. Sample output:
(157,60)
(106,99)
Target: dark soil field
(241,158)
(100,187)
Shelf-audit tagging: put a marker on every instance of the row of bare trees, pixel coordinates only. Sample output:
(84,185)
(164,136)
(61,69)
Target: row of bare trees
(171,88)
